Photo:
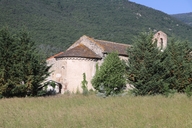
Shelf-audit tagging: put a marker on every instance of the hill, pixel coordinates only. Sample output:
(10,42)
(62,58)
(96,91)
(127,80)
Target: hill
(56,24)
(184,17)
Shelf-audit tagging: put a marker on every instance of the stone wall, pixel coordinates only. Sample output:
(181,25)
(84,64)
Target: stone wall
(58,72)
(75,69)
(161,38)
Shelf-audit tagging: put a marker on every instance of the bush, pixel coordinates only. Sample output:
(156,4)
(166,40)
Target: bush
(110,77)
(84,85)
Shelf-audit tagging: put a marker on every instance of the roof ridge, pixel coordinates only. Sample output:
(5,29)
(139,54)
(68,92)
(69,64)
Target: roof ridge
(94,41)
(112,42)
(76,43)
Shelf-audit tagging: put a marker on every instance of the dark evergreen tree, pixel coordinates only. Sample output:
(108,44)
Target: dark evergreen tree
(110,77)
(145,70)
(22,68)
(7,69)
(179,65)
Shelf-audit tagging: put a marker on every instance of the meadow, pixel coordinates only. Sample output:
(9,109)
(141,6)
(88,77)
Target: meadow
(78,111)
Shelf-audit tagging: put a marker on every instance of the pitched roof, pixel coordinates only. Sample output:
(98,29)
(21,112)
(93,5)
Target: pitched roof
(55,55)
(105,46)
(108,47)
(79,51)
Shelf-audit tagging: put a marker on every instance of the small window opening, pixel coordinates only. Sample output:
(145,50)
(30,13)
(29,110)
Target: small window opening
(161,43)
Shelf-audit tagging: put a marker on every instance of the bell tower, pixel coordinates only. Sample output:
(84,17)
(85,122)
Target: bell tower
(161,39)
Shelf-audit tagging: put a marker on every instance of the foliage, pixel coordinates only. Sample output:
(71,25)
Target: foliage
(41,93)
(52,83)
(110,79)
(56,24)
(84,85)
(45,90)
(184,17)
(152,71)
(178,64)
(188,91)
(145,70)
(22,69)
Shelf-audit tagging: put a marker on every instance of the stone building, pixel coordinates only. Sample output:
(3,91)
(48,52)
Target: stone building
(68,67)
(161,38)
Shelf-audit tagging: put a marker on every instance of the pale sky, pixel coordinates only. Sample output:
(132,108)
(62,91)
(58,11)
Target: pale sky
(168,6)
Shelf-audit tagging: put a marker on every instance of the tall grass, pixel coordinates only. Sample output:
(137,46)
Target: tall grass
(77,111)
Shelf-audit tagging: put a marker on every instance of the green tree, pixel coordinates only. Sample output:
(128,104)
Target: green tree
(152,71)
(22,68)
(179,65)
(110,77)
(7,69)
(145,70)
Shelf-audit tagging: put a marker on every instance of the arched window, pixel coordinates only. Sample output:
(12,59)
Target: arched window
(161,43)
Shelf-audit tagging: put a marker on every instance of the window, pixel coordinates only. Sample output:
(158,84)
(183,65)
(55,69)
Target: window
(161,43)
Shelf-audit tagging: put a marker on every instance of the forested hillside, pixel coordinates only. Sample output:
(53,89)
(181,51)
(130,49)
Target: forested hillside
(56,24)
(184,17)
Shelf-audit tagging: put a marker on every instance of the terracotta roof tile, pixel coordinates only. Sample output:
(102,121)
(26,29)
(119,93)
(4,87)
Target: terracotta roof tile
(79,51)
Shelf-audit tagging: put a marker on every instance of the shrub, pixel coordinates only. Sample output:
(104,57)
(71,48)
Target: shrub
(110,77)
(84,85)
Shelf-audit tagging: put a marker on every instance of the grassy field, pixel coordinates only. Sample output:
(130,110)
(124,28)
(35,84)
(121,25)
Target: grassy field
(77,111)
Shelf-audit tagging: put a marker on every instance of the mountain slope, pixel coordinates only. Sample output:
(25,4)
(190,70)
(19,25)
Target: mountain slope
(56,24)
(184,17)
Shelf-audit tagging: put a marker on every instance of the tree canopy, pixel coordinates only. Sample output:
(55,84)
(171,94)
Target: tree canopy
(22,68)
(110,77)
(178,65)
(152,71)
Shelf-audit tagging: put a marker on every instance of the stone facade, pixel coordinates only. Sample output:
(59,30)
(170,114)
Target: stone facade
(161,38)
(68,67)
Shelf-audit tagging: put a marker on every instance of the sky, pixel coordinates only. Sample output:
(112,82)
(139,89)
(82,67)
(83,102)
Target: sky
(168,6)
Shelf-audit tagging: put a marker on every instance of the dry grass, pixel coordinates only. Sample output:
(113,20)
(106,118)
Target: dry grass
(77,111)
